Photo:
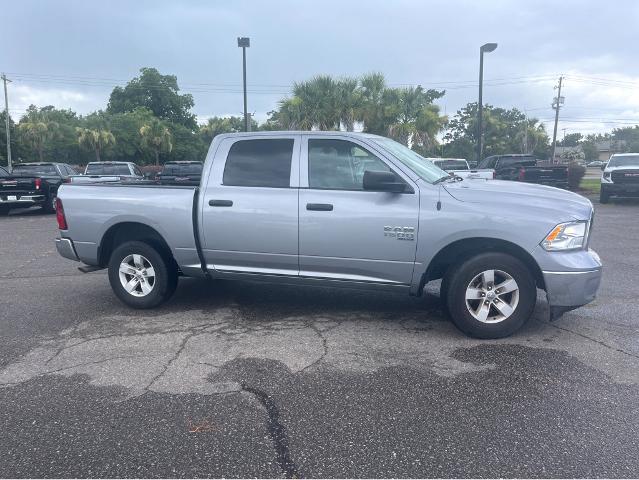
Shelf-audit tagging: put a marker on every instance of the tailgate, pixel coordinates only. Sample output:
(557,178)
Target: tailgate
(17,185)
(550,174)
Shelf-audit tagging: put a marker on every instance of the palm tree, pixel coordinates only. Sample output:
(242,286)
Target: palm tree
(318,102)
(417,120)
(349,102)
(38,130)
(157,138)
(97,140)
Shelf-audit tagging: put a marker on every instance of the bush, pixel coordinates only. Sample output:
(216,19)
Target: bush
(575,173)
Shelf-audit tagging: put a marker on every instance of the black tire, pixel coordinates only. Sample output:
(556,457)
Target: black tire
(49,203)
(604,197)
(164,281)
(458,279)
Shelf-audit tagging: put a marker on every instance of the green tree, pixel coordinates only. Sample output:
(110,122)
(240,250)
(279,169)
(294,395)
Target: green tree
(159,93)
(591,153)
(505,131)
(570,140)
(216,125)
(157,138)
(36,130)
(96,140)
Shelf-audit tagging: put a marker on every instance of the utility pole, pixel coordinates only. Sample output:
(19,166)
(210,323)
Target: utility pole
(556,105)
(6,110)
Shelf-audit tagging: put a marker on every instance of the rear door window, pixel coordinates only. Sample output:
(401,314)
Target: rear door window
(259,163)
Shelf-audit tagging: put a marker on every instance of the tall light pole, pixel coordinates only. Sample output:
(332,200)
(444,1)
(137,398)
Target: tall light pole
(487,47)
(6,106)
(244,43)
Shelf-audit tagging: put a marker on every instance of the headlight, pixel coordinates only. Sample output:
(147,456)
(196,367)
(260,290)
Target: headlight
(566,236)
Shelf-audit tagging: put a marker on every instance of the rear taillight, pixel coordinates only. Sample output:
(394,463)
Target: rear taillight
(59,215)
(38,183)
(66,180)
(494,175)
(522,174)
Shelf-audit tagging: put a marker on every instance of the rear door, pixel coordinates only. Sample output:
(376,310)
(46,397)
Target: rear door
(249,206)
(347,233)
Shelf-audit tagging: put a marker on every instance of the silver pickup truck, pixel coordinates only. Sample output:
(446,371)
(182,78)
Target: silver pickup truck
(344,210)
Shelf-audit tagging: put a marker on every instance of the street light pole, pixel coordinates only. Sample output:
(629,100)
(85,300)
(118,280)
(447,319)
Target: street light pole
(244,43)
(8,125)
(488,47)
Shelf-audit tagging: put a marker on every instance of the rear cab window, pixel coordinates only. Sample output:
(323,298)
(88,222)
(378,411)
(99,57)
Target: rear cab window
(107,169)
(35,170)
(259,163)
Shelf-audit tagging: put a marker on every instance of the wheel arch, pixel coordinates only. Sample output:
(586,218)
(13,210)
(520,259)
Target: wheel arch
(131,231)
(463,249)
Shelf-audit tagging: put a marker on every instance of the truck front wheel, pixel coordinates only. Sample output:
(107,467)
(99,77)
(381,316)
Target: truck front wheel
(140,276)
(490,295)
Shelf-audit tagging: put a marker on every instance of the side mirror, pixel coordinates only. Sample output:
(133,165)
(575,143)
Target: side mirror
(603,166)
(383,182)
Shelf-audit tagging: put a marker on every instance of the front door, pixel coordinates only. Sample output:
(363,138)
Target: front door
(347,233)
(249,206)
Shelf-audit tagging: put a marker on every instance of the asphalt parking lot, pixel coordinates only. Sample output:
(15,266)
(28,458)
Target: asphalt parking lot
(243,380)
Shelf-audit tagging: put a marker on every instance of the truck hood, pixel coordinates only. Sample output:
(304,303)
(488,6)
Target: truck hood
(506,195)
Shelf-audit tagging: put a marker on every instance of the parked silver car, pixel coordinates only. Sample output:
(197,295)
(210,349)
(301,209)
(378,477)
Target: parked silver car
(340,209)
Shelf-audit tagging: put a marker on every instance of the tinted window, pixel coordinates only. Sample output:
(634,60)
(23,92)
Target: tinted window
(625,161)
(3,172)
(259,163)
(35,170)
(452,164)
(182,169)
(506,161)
(137,171)
(107,169)
(339,164)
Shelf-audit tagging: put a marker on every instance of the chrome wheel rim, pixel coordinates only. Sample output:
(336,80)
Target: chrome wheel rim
(137,275)
(492,296)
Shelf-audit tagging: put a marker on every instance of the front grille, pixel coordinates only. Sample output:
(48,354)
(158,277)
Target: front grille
(625,176)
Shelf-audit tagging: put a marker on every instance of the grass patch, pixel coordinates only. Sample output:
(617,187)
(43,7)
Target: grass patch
(590,185)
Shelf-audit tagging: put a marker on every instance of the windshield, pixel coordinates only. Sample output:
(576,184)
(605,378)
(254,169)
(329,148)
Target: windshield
(426,170)
(451,164)
(182,169)
(625,161)
(35,170)
(107,169)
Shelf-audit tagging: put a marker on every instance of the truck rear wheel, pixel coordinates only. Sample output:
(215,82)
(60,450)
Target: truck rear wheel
(490,295)
(140,276)
(604,197)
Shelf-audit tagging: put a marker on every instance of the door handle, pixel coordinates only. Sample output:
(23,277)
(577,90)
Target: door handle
(221,203)
(320,207)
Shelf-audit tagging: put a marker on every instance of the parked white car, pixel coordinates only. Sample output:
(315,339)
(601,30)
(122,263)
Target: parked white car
(459,167)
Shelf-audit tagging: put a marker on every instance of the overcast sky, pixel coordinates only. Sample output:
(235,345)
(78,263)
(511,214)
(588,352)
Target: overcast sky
(71,53)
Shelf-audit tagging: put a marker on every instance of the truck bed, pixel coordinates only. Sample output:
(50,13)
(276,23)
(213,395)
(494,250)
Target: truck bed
(94,209)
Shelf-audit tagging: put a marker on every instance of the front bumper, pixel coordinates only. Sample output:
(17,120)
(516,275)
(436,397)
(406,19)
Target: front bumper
(21,200)
(621,189)
(66,249)
(573,286)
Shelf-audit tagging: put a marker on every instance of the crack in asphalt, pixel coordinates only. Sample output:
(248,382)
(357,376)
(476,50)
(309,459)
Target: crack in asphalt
(323,339)
(175,356)
(277,432)
(598,342)
(123,335)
